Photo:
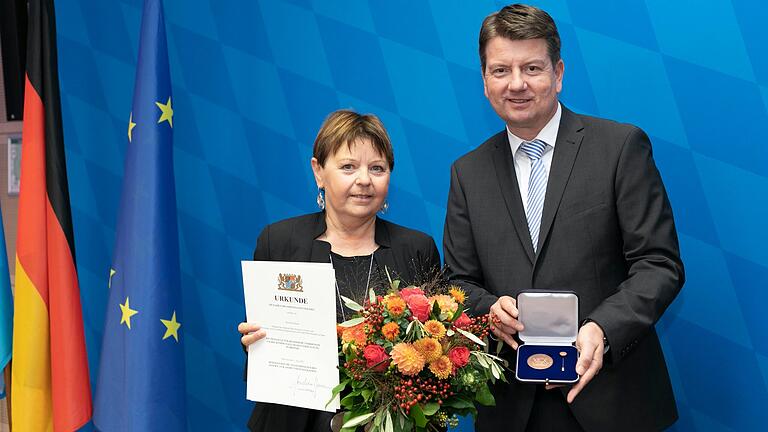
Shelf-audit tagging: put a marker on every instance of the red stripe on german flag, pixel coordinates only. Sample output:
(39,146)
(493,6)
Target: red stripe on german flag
(50,387)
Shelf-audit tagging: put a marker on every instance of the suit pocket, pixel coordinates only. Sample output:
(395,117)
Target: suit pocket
(576,210)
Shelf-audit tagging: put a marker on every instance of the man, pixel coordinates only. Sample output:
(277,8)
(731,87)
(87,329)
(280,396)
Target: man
(561,201)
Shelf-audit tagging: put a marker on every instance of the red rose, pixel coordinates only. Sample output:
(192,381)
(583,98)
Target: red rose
(377,359)
(462,321)
(406,293)
(459,356)
(419,305)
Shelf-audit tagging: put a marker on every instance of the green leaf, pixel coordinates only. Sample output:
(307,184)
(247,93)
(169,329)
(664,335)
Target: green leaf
(372,296)
(418,416)
(450,332)
(336,390)
(436,310)
(484,396)
(367,393)
(481,359)
(389,425)
(495,370)
(395,284)
(471,337)
(378,420)
(458,403)
(431,408)
(352,322)
(357,421)
(351,400)
(348,302)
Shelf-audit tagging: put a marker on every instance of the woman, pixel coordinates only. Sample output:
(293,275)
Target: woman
(352,162)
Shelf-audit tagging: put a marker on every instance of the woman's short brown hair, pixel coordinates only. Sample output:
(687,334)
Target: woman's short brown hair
(346,127)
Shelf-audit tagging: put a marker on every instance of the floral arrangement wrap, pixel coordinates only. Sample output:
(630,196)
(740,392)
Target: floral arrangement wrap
(413,360)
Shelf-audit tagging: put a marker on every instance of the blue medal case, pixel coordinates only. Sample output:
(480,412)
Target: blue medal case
(551,326)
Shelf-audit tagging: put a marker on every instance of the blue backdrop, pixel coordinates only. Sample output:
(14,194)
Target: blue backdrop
(252,81)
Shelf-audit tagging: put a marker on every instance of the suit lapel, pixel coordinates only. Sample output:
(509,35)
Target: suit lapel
(319,250)
(385,261)
(505,173)
(383,254)
(569,137)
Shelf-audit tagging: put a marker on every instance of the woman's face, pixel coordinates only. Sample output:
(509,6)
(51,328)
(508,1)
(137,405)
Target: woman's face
(355,179)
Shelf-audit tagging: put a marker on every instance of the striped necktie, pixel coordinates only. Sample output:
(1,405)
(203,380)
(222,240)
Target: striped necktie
(537,186)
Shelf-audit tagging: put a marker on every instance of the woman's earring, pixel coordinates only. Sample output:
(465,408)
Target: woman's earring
(384,207)
(321,198)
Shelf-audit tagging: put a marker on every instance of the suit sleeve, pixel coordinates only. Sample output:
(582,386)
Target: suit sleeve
(261,253)
(431,255)
(461,260)
(651,250)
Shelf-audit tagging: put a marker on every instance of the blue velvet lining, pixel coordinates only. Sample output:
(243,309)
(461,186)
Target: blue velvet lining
(555,372)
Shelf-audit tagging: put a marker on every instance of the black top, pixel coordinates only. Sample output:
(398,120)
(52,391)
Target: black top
(406,254)
(354,276)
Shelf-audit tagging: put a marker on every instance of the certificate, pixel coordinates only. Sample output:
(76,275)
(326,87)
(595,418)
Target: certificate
(297,362)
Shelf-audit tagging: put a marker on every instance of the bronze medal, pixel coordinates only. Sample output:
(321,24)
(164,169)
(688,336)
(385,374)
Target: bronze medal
(540,361)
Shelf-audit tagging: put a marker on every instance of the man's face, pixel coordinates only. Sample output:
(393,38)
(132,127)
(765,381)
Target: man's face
(521,83)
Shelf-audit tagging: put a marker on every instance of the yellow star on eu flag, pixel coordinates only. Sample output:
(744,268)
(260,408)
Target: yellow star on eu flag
(171,327)
(127,313)
(131,125)
(167,112)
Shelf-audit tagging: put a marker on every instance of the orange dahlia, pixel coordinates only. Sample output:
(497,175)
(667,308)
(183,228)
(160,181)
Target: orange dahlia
(429,348)
(407,359)
(355,334)
(442,367)
(435,328)
(447,305)
(395,305)
(458,294)
(390,331)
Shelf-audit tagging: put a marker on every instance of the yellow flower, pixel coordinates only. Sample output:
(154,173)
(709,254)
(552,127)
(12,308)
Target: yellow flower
(458,294)
(429,348)
(447,305)
(442,367)
(407,359)
(395,305)
(435,328)
(390,331)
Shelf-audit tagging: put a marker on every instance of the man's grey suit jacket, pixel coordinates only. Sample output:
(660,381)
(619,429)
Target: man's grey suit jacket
(607,233)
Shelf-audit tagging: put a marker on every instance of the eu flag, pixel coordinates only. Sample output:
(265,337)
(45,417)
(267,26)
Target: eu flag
(141,376)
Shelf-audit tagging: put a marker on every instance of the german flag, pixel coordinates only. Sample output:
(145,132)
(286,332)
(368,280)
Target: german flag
(50,388)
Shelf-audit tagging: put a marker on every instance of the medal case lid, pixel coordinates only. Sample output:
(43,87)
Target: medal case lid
(550,318)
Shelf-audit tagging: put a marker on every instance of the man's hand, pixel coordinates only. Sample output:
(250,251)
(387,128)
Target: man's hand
(504,323)
(589,342)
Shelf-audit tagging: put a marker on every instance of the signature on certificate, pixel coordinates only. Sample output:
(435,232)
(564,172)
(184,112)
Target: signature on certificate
(307,386)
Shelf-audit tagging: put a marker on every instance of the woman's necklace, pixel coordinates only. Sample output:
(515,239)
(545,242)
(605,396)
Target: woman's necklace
(367,284)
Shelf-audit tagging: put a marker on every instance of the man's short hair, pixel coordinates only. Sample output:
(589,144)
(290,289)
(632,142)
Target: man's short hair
(520,22)
(346,127)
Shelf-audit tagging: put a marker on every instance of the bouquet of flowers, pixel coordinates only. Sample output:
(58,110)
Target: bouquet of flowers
(413,360)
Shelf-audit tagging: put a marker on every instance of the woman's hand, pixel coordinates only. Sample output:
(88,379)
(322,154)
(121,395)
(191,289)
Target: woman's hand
(251,333)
